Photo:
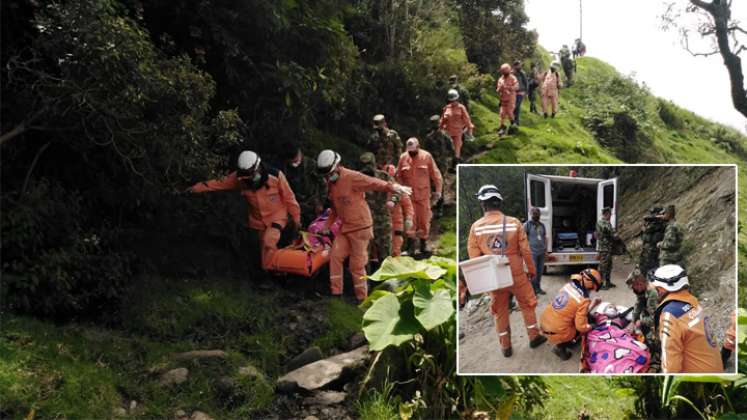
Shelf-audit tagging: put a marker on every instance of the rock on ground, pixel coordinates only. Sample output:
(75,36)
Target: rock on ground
(310,355)
(199,354)
(325,398)
(174,377)
(199,415)
(323,372)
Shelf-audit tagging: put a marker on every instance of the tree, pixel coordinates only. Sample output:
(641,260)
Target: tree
(714,22)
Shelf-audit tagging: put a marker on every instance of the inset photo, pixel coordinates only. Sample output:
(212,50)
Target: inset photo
(626,269)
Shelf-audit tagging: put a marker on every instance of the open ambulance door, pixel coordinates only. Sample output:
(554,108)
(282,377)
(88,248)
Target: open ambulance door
(539,196)
(607,197)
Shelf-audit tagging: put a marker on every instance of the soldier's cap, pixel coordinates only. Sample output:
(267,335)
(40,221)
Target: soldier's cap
(435,118)
(636,273)
(517,62)
(452,77)
(606,210)
(412,144)
(656,210)
(368,158)
(378,118)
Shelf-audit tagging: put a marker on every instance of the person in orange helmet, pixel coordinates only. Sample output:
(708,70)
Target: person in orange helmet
(455,120)
(402,214)
(688,341)
(486,237)
(567,316)
(418,170)
(347,192)
(507,88)
(271,200)
(730,339)
(550,91)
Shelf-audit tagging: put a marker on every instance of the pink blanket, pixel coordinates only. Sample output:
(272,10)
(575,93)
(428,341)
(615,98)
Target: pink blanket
(612,350)
(317,240)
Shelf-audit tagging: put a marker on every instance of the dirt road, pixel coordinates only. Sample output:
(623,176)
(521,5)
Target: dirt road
(479,350)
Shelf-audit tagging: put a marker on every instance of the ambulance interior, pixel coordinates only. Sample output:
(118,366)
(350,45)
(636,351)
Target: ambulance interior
(574,214)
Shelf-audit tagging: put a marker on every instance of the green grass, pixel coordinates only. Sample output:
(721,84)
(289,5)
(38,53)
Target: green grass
(344,321)
(446,245)
(378,405)
(598,397)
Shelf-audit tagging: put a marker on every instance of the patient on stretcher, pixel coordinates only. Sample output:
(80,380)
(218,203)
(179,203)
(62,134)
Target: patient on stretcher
(608,348)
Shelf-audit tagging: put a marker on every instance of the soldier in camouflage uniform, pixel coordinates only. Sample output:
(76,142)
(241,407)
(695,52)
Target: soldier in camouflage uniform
(651,234)
(644,313)
(384,143)
(439,144)
(309,188)
(670,248)
(380,246)
(606,237)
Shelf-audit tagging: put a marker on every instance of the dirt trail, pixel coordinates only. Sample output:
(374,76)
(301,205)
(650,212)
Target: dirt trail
(479,351)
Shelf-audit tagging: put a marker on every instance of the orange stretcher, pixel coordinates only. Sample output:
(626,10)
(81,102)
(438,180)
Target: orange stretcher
(300,258)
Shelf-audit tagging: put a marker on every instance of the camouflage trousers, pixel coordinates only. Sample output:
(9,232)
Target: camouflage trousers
(649,258)
(605,265)
(381,244)
(671,258)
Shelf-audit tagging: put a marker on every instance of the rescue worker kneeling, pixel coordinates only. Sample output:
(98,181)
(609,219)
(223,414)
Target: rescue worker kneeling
(347,192)
(688,341)
(486,237)
(568,315)
(270,199)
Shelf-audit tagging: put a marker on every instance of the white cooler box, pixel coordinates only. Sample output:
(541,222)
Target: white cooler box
(487,273)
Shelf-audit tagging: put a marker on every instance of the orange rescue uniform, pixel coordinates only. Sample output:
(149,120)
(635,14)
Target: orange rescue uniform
(730,340)
(401,211)
(485,239)
(551,85)
(348,196)
(567,315)
(269,206)
(688,343)
(454,119)
(418,173)
(506,87)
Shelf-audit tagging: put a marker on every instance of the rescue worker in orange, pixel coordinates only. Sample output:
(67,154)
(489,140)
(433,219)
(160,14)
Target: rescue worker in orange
(507,88)
(455,121)
(567,317)
(688,341)
(347,192)
(402,214)
(550,91)
(271,200)
(485,238)
(418,170)
(730,339)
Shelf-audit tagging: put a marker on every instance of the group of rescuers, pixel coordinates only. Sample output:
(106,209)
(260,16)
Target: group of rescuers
(666,315)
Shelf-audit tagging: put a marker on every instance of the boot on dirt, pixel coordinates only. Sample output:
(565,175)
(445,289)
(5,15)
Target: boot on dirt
(537,341)
(409,248)
(561,352)
(508,352)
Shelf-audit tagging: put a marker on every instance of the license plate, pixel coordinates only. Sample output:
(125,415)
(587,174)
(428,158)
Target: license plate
(576,257)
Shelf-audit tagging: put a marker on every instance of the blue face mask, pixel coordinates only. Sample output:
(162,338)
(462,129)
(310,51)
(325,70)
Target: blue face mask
(257,177)
(334,177)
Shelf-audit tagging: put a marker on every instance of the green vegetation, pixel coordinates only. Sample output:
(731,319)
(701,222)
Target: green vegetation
(344,321)
(600,398)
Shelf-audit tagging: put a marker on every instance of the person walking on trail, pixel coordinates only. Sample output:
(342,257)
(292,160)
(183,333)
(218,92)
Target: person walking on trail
(651,234)
(521,77)
(688,340)
(310,190)
(670,247)
(402,216)
(486,237)
(647,299)
(567,63)
(566,318)
(440,147)
(455,121)
(534,82)
(550,91)
(418,170)
(463,93)
(537,234)
(380,202)
(730,339)
(272,203)
(384,142)
(507,88)
(579,48)
(347,192)
(606,238)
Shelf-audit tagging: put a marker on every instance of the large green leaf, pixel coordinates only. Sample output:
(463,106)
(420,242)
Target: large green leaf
(387,323)
(432,307)
(407,268)
(448,264)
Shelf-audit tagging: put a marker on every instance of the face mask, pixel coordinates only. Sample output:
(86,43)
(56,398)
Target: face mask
(257,176)
(334,177)
(296,164)
(413,154)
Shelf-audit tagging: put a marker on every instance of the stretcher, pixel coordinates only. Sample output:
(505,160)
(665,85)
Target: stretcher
(307,255)
(608,348)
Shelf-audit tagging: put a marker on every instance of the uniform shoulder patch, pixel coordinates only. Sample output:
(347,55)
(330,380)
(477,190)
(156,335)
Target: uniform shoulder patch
(677,308)
(560,301)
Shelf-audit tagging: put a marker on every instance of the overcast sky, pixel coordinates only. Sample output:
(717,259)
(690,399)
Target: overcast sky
(627,34)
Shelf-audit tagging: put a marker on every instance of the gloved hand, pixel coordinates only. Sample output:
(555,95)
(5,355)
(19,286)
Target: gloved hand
(436,196)
(402,189)
(390,204)
(408,224)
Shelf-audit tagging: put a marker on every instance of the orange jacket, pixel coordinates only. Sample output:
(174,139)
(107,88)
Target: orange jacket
(270,203)
(507,86)
(454,118)
(418,172)
(551,83)
(348,196)
(730,340)
(567,314)
(688,343)
(485,239)
(401,211)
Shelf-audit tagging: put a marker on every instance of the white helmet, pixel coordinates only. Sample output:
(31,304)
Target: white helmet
(248,161)
(670,277)
(487,192)
(412,144)
(452,95)
(327,161)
